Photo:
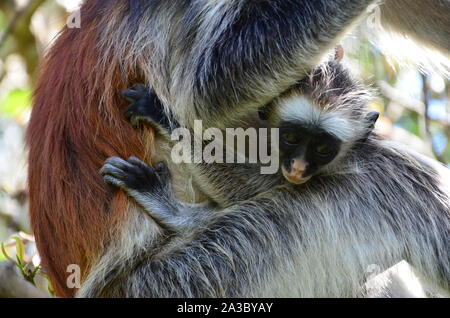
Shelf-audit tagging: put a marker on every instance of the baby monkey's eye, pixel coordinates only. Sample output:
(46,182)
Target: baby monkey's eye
(323,149)
(291,138)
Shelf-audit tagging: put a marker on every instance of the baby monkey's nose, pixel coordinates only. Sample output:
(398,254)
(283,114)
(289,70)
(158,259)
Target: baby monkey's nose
(298,166)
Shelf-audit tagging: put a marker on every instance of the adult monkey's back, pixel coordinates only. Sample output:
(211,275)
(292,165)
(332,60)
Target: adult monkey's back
(214,60)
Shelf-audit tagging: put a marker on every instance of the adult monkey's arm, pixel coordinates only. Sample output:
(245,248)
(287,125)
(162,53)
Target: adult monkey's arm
(427,22)
(237,55)
(242,53)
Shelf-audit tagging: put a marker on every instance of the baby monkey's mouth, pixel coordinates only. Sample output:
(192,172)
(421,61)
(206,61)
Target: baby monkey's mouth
(294,176)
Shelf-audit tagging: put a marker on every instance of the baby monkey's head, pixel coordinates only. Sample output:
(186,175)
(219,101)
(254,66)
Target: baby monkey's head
(319,120)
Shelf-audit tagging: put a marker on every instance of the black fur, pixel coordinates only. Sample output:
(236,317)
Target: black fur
(147,107)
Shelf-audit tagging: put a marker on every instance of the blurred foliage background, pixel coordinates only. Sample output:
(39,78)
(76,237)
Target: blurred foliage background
(414,104)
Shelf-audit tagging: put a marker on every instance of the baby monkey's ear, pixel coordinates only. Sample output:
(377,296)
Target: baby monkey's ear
(339,53)
(370,120)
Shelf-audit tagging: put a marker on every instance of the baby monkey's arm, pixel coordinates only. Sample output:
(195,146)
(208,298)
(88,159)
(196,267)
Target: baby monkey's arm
(151,189)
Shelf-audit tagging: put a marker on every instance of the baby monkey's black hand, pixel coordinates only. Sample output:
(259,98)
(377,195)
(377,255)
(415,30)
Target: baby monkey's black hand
(146,107)
(136,177)
(150,188)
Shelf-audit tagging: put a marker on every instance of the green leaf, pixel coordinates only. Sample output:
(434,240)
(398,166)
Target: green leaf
(50,288)
(3,250)
(15,103)
(20,249)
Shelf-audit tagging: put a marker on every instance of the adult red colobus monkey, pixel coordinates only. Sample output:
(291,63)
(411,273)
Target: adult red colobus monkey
(213,60)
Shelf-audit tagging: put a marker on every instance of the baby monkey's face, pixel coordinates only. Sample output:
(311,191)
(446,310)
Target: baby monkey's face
(304,150)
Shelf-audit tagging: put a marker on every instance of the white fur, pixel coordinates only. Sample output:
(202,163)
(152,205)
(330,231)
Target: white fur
(301,109)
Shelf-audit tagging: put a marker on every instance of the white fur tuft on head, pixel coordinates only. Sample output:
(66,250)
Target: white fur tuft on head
(301,109)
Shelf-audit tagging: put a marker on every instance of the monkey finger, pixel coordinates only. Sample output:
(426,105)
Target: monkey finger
(149,171)
(112,170)
(133,95)
(138,162)
(135,117)
(130,115)
(114,181)
(115,161)
(119,163)
(140,87)
(129,112)
(160,166)
(162,169)
(122,166)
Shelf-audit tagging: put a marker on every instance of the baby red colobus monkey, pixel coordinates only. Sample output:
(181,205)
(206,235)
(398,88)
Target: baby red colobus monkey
(314,127)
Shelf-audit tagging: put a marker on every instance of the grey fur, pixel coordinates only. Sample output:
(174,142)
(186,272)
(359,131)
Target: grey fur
(219,60)
(432,29)
(378,203)
(205,63)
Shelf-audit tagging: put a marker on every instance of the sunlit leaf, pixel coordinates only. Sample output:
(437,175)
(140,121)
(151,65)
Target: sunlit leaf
(15,103)
(20,249)
(3,252)
(50,288)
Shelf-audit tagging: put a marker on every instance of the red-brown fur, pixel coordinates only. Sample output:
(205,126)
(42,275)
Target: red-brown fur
(71,132)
